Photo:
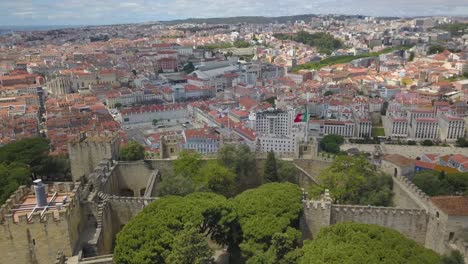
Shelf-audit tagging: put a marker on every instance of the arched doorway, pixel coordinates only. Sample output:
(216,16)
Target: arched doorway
(142,192)
(127,193)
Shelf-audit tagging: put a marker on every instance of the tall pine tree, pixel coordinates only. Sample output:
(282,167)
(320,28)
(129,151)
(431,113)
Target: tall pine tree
(271,170)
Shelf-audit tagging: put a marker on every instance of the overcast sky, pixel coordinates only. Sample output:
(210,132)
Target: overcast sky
(93,12)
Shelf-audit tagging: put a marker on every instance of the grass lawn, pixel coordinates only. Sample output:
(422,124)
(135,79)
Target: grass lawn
(378,132)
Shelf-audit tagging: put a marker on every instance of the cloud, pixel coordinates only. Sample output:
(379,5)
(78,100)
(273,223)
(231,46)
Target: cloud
(24,13)
(110,11)
(128,4)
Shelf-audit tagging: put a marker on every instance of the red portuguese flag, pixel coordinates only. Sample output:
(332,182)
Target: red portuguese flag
(301,117)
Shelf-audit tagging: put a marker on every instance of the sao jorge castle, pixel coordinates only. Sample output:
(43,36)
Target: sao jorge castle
(76,222)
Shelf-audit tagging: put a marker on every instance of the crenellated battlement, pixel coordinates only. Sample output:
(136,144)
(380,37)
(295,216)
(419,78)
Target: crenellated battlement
(131,200)
(61,211)
(311,204)
(89,149)
(415,189)
(416,194)
(325,201)
(94,137)
(101,173)
(373,210)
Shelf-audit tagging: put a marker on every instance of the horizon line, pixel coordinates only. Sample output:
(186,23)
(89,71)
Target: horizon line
(227,17)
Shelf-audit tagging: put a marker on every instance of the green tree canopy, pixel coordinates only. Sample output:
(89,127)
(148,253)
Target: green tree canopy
(242,162)
(427,143)
(462,142)
(348,243)
(241,44)
(439,183)
(187,164)
(189,67)
(29,151)
(331,143)
(216,178)
(270,173)
(12,176)
(353,180)
(383,111)
(328,93)
(455,257)
(269,219)
(191,173)
(287,172)
(436,49)
(157,233)
(175,185)
(25,159)
(190,246)
(324,42)
(132,151)
(455,29)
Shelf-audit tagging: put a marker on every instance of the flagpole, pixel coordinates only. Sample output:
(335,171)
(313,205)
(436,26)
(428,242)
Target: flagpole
(307,124)
(307,119)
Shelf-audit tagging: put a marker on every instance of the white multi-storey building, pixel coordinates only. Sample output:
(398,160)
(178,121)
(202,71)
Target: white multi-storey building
(329,127)
(277,144)
(462,67)
(200,140)
(451,127)
(396,127)
(127,97)
(363,127)
(342,128)
(424,128)
(417,113)
(144,115)
(274,130)
(274,122)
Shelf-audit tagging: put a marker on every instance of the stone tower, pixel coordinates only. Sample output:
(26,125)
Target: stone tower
(87,151)
(33,234)
(170,146)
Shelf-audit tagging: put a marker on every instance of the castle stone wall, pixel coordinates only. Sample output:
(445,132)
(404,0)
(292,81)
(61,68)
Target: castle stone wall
(88,151)
(317,214)
(125,208)
(312,167)
(102,177)
(39,239)
(407,195)
(410,151)
(133,176)
(410,222)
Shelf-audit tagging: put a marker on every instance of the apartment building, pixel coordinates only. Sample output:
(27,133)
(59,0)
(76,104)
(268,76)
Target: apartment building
(395,126)
(424,128)
(274,122)
(451,127)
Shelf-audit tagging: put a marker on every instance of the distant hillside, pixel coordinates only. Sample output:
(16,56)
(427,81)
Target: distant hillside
(248,19)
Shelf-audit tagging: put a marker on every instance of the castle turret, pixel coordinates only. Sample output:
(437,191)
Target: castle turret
(87,151)
(39,221)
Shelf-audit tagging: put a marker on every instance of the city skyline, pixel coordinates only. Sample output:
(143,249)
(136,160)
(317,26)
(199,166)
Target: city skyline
(86,12)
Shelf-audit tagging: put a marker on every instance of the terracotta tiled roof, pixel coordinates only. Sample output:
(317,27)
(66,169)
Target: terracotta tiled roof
(459,158)
(452,205)
(399,160)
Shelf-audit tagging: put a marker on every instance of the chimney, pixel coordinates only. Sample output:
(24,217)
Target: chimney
(41,195)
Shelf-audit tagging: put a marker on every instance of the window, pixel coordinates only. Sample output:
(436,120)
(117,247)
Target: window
(451,235)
